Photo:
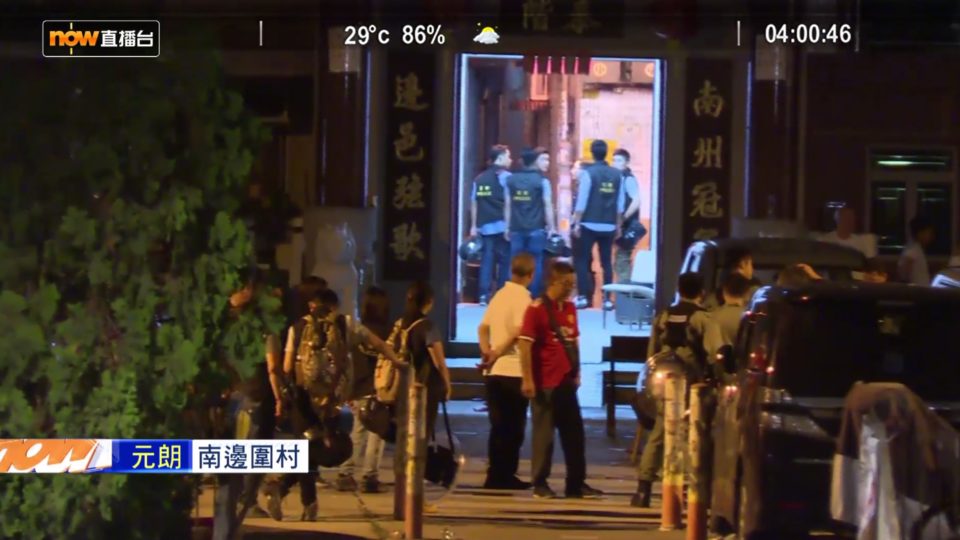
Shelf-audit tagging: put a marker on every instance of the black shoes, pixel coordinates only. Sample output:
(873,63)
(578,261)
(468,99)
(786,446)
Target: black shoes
(512,483)
(309,512)
(641,499)
(543,492)
(371,484)
(584,492)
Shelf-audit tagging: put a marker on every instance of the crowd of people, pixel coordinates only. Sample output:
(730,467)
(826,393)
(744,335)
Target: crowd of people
(315,382)
(513,212)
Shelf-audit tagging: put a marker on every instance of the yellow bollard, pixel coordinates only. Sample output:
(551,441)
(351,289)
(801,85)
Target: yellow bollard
(674,387)
(416,460)
(697,495)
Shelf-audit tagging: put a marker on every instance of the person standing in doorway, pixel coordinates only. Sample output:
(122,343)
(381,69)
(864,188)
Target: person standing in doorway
(596,221)
(844,234)
(506,404)
(487,220)
(631,216)
(549,358)
(913,267)
(529,211)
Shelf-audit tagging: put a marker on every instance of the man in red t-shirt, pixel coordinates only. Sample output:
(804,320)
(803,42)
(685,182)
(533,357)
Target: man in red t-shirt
(551,377)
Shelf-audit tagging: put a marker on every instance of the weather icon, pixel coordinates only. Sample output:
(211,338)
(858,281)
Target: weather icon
(487,36)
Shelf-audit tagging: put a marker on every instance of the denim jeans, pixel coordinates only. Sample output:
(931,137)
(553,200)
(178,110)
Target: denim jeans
(366,445)
(532,242)
(494,263)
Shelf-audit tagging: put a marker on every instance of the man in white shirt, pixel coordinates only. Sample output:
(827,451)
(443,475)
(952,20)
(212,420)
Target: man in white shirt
(506,404)
(913,267)
(846,220)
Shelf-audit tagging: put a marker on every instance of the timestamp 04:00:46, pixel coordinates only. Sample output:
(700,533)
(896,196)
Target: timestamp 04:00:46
(808,33)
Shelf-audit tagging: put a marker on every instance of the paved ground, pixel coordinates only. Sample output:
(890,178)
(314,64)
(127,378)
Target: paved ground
(471,513)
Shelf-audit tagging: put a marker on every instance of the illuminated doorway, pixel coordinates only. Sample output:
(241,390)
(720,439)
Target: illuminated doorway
(561,104)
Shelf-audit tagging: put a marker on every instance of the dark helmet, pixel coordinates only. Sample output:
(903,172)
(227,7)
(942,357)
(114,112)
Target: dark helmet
(557,246)
(379,418)
(630,237)
(471,250)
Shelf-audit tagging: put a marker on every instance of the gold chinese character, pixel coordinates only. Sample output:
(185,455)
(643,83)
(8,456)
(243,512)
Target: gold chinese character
(406,242)
(408,92)
(408,192)
(709,101)
(707,154)
(405,144)
(168,456)
(705,234)
(706,201)
(143,457)
(580,19)
(536,15)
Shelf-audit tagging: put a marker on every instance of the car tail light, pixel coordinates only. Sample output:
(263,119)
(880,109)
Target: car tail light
(759,360)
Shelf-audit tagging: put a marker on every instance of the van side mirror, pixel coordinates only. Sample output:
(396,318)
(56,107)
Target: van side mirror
(726,359)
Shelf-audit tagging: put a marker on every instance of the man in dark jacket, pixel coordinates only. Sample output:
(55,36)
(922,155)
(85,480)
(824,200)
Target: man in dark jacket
(258,403)
(681,328)
(529,211)
(487,221)
(596,221)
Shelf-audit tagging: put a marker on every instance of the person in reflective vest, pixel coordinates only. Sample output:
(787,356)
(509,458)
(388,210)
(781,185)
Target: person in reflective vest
(529,211)
(487,221)
(681,328)
(596,220)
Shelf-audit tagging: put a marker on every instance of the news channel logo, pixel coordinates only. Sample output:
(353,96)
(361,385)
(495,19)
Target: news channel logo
(101,39)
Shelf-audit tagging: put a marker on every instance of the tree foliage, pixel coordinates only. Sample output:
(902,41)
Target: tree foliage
(118,248)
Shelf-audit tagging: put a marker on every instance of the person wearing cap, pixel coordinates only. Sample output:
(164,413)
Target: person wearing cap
(487,223)
(529,211)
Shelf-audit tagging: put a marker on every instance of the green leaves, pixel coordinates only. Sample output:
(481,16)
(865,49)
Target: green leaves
(118,248)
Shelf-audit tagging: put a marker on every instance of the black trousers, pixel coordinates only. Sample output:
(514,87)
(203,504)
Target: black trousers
(507,410)
(557,409)
(583,261)
(237,493)
(302,418)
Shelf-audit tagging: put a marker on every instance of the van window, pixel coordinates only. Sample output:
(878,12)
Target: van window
(827,346)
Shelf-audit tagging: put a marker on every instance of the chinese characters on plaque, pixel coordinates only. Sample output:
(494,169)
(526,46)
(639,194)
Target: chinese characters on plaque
(406,223)
(594,18)
(706,179)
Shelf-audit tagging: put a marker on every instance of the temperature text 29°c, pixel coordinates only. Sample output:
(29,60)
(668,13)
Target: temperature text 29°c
(363,35)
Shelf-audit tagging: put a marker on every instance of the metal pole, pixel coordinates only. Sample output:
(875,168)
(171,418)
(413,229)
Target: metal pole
(674,388)
(416,461)
(399,451)
(697,493)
